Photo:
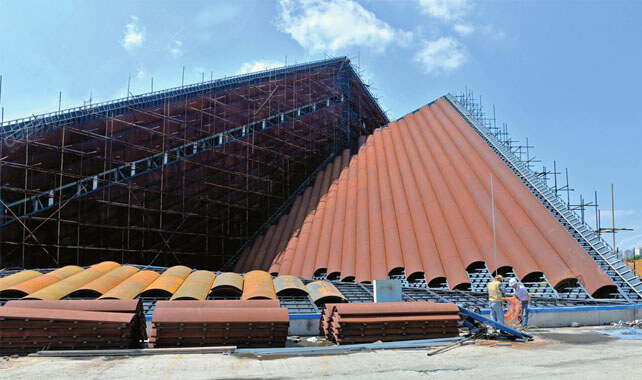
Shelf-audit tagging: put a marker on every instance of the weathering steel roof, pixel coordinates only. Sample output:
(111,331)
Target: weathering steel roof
(109,280)
(416,197)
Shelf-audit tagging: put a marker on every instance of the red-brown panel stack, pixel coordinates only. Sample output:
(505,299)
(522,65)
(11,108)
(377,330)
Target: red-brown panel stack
(108,305)
(252,323)
(27,330)
(389,321)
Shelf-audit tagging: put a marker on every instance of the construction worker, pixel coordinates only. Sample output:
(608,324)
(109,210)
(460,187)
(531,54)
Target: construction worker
(522,295)
(495,298)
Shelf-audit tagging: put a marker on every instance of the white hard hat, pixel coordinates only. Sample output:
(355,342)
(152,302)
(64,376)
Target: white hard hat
(512,282)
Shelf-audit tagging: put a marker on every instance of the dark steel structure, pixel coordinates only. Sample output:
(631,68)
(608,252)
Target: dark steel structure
(180,176)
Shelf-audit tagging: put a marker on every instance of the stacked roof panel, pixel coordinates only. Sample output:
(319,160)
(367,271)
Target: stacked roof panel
(30,326)
(416,199)
(392,321)
(253,323)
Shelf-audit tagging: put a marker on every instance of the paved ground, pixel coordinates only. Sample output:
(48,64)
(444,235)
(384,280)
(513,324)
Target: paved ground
(560,353)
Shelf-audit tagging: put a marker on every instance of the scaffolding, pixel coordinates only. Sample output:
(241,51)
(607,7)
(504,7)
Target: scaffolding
(180,176)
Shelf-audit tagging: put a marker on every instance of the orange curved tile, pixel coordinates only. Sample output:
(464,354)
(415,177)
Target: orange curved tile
(103,284)
(325,238)
(17,278)
(309,258)
(168,282)
(324,292)
(68,285)
(30,286)
(196,286)
(289,285)
(258,284)
(227,284)
(132,286)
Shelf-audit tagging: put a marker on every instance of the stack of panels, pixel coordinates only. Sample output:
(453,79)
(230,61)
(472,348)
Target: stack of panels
(253,323)
(27,330)
(111,306)
(391,321)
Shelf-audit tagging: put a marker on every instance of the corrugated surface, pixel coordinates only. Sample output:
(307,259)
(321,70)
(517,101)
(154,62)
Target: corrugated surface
(65,287)
(39,282)
(18,278)
(196,286)
(416,197)
(168,282)
(109,280)
(132,286)
(103,284)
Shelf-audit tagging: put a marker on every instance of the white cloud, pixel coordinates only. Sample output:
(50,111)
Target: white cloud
(447,10)
(250,67)
(463,29)
(335,25)
(441,56)
(140,73)
(493,32)
(134,35)
(175,48)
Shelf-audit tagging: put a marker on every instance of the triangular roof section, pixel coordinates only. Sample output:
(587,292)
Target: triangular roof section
(416,198)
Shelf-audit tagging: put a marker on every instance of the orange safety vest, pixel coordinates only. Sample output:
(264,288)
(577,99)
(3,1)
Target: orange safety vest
(494,292)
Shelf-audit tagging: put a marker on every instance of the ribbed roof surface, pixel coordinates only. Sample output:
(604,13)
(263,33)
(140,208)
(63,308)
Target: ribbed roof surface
(110,280)
(416,197)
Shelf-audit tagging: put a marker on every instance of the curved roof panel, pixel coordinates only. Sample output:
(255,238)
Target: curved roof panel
(196,286)
(168,282)
(416,196)
(18,278)
(228,283)
(68,285)
(289,285)
(103,284)
(258,284)
(132,286)
(27,287)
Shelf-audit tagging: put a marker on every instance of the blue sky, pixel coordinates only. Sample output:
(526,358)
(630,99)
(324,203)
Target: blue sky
(565,74)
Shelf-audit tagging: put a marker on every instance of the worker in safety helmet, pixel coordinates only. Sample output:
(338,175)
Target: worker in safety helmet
(495,298)
(522,295)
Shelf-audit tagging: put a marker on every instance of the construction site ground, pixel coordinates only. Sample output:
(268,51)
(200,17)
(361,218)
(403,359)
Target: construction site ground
(562,352)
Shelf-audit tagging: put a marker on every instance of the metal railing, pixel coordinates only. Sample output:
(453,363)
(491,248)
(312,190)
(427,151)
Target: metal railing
(587,238)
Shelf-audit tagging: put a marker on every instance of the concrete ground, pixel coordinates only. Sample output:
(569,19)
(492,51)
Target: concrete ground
(560,353)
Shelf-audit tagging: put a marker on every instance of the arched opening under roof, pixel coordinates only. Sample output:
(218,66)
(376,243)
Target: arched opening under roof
(462,286)
(438,283)
(12,293)
(348,279)
(85,293)
(504,270)
(533,277)
(608,291)
(476,266)
(415,276)
(155,293)
(398,271)
(333,276)
(320,272)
